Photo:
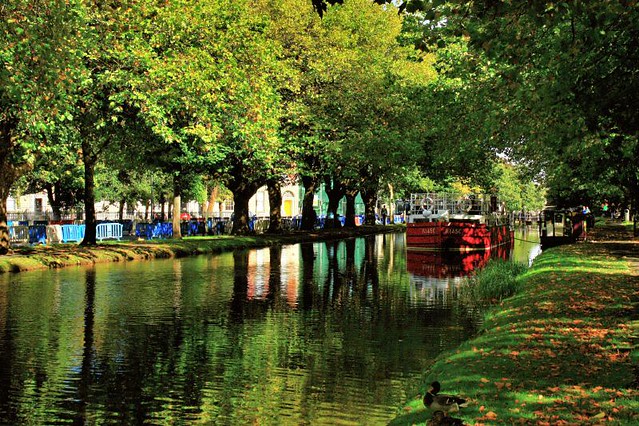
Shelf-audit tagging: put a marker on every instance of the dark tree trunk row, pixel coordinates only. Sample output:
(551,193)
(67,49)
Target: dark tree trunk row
(9,172)
(90,160)
(275,202)
(335,191)
(308,218)
(243,187)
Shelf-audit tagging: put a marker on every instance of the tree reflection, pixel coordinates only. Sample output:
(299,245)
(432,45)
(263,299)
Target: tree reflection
(334,280)
(275,273)
(240,286)
(86,376)
(250,337)
(6,351)
(308,276)
(370,271)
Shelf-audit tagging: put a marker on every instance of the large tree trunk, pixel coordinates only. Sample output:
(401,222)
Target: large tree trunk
(332,218)
(350,208)
(335,191)
(243,189)
(308,218)
(121,209)
(274,189)
(89,194)
(177,203)
(4,229)
(369,187)
(241,197)
(368,197)
(54,199)
(9,172)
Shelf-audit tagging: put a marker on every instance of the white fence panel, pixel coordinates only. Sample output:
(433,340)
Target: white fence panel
(19,234)
(54,234)
(105,231)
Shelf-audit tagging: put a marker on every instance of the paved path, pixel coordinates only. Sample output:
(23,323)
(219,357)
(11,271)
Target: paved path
(618,241)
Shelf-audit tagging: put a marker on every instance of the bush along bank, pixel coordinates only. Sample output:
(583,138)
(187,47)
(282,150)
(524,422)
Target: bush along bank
(563,350)
(498,280)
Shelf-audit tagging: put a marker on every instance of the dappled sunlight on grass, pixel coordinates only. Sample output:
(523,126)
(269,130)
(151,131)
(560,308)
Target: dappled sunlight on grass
(562,351)
(586,268)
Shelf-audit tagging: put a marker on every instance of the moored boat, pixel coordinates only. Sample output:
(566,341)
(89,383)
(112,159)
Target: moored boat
(450,222)
(563,226)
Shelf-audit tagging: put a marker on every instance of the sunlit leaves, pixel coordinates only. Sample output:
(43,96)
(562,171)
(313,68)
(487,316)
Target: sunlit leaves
(567,78)
(38,66)
(366,104)
(207,90)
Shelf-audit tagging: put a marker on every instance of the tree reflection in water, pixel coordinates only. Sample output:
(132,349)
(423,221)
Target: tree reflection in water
(324,333)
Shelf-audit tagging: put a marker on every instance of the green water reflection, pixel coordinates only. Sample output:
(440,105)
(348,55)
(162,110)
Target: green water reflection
(330,333)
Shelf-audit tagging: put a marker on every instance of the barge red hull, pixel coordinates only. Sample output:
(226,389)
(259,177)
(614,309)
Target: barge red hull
(457,236)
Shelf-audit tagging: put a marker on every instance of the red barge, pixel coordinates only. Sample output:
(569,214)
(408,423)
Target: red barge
(454,223)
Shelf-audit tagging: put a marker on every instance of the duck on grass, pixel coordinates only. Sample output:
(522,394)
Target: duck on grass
(441,419)
(443,402)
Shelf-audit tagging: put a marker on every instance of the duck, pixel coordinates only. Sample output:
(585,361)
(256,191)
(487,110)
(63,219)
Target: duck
(442,402)
(441,419)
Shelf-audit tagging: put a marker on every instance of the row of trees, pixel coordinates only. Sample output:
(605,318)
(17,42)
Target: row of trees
(565,90)
(239,93)
(554,85)
(203,94)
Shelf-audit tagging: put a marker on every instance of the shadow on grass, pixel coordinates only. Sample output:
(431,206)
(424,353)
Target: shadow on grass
(412,418)
(564,350)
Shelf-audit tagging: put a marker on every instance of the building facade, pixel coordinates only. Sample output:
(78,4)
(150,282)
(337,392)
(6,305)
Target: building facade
(36,207)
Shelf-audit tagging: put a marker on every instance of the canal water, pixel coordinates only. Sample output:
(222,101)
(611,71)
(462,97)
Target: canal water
(335,333)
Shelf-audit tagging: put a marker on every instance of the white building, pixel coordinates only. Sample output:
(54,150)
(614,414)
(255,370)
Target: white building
(30,207)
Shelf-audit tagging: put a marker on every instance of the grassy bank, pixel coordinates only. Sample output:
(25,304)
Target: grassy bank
(563,350)
(61,255)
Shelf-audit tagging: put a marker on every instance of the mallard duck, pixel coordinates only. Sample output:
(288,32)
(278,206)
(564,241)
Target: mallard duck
(441,402)
(441,419)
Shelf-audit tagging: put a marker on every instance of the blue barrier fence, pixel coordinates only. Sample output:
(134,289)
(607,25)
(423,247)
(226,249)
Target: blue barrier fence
(37,234)
(190,228)
(127,225)
(193,228)
(41,233)
(72,233)
(18,234)
(154,230)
